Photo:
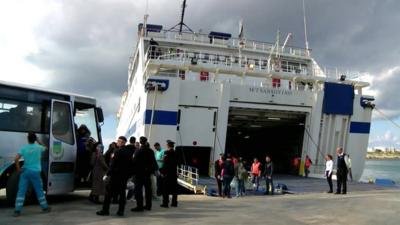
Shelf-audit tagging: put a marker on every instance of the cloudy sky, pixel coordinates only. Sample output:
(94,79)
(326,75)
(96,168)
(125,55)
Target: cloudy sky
(83,46)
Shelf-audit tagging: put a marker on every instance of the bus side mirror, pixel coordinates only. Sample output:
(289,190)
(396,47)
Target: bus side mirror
(100,116)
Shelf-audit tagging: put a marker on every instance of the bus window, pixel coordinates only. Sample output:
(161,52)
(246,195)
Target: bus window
(20,116)
(61,123)
(87,117)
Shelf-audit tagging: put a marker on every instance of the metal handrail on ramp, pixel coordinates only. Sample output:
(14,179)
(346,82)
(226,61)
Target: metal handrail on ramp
(188,177)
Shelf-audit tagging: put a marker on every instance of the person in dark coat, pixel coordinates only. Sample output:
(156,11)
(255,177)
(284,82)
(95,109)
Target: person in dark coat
(267,173)
(341,172)
(108,156)
(228,172)
(110,153)
(217,173)
(131,146)
(99,170)
(83,154)
(144,165)
(117,177)
(169,175)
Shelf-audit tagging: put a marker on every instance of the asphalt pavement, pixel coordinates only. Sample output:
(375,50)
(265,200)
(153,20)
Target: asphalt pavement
(357,207)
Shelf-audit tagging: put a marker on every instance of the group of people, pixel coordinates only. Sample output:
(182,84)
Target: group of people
(110,172)
(259,171)
(230,169)
(296,164)
(138,162)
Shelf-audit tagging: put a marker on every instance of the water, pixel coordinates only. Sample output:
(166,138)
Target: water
(382,169)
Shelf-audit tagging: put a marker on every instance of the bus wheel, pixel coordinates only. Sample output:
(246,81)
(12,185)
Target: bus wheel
(12,189)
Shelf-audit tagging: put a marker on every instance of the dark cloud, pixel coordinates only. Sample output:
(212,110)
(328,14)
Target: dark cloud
(387,97)
(86,47)
(86,44)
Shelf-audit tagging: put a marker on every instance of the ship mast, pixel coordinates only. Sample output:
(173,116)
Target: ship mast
(145,18)
(305,29)
(181,24)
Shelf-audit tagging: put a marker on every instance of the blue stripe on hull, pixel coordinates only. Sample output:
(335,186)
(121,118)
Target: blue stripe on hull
(161,117)
(360,127)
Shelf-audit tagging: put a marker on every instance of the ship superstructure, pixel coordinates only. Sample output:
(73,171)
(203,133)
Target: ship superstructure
(214,93)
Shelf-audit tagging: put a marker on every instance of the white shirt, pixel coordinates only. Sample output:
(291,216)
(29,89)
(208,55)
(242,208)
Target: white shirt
(348,162)
(329,166)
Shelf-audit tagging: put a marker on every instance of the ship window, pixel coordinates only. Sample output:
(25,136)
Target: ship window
(285,66)
(294,67)
(167,73)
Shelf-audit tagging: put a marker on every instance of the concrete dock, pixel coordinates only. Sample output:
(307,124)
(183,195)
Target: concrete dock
(366,205)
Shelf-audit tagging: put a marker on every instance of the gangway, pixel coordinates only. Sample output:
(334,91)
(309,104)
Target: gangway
(188,177)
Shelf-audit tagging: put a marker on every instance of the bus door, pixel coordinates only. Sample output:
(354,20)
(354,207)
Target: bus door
(62,148)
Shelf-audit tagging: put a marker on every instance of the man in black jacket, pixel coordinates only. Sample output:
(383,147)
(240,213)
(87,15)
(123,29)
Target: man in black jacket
(131,145)
(132,148)
(341,173)
(144,165)
(169,175)
(228,174)
(267,173)
(117,177)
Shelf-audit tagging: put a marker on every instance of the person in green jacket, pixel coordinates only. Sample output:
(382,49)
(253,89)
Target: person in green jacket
(241,175)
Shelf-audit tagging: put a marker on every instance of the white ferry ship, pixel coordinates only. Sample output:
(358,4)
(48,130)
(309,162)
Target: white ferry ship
(214,93)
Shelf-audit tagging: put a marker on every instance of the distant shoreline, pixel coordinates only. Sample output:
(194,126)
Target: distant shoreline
(383,155)
(387,159)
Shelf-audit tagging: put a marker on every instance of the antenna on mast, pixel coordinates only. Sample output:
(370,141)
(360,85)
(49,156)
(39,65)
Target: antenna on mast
(181,24)
(241,34)
(146,16)
(305,29)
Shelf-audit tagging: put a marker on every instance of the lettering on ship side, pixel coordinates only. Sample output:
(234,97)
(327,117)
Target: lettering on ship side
(270,91)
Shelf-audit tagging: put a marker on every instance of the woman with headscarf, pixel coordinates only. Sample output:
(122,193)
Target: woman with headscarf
(99,170)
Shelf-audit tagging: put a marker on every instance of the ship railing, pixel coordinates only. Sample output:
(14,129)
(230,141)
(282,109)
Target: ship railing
(243,63)
(230,43)
(188,177)
(225,60)
(336,73)
(189,174)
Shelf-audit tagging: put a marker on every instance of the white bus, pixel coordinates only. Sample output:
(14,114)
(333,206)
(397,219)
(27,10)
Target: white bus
(54,117)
